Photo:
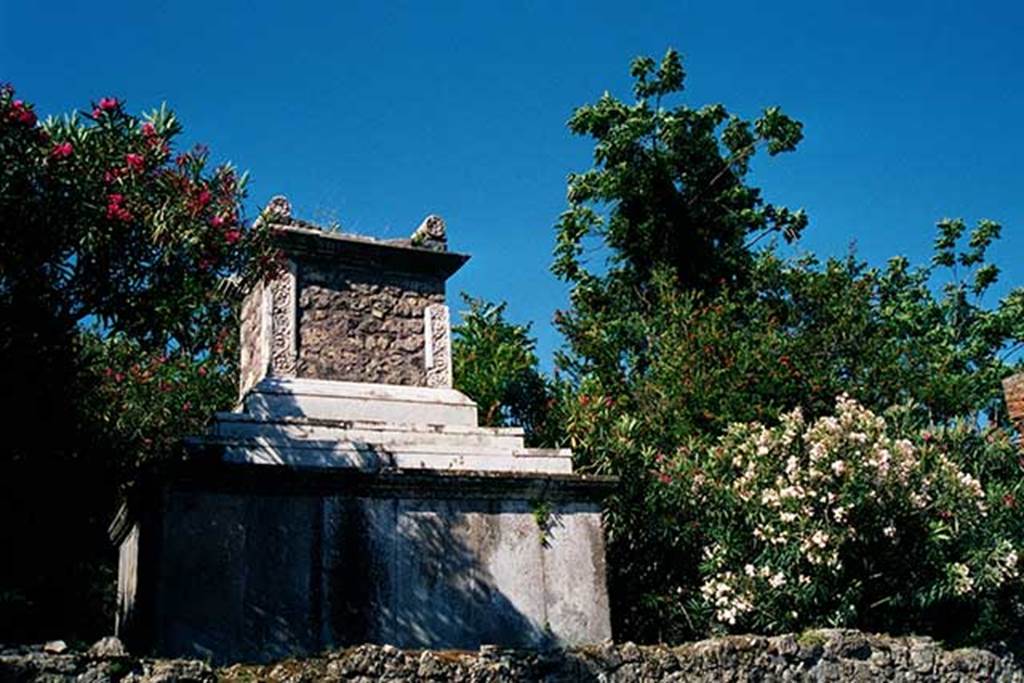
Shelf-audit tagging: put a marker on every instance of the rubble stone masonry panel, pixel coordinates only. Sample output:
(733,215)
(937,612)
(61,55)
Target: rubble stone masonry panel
(361,325)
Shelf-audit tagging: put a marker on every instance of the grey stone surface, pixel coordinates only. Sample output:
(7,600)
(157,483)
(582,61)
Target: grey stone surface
(353,401)
(438,345)
(323,423)
(574,570)
(841,655)
(200,594)
(370,457)
(127,579)
(258,576)
(108,646)
(282,309)
(253,341)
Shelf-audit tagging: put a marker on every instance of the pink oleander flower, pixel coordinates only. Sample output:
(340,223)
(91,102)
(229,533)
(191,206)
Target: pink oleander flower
(232,236)
(135,161)
(217,221)
(115,210)
(61,151)
(148,129)
(106,104)
(21,113)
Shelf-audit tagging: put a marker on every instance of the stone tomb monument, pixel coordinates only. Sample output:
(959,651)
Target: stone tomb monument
(351,496)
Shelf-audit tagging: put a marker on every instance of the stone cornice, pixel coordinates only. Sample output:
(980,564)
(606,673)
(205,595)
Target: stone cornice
(368,253)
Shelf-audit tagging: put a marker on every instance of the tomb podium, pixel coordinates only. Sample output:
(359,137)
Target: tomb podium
(351,496)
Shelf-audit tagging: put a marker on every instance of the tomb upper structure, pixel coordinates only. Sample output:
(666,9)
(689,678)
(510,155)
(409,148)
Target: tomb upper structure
(346,361)
(351,308)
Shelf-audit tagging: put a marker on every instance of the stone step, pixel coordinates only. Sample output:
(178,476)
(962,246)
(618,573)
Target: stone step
(241,417)
(330,400)
(375,433)
(369,458)
(335,445)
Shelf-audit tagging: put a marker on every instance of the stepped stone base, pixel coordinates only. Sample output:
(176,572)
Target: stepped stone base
(321,423)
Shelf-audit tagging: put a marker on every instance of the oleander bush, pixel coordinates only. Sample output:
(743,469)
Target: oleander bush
(121,266)
(845,520)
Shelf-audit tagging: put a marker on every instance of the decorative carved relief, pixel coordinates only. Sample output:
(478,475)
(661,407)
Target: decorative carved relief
(431,234)
(438,346)
(360,325)
(283,352)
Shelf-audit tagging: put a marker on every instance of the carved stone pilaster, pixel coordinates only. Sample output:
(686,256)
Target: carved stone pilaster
(268,332)
(283,311)
(437,334)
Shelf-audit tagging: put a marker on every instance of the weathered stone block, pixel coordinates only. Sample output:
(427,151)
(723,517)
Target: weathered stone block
(253,563)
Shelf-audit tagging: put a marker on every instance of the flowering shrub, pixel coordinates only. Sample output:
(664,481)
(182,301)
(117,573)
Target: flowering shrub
(122,261)
(840,521)
(798,334)
(118,252)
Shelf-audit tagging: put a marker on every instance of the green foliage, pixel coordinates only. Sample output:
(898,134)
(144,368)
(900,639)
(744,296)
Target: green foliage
(494,363)
(542,515)
(667,194)
(800,334)
(120,267)
(688,329)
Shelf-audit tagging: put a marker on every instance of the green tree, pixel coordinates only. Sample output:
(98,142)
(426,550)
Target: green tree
(494,363)
(120,264)
(667,192)
(671,341)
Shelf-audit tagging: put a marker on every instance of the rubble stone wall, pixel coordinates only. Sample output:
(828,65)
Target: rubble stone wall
(1013,389)
(828,655)
(362,325)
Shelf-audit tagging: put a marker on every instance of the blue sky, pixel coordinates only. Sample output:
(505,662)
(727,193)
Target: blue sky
(376,114)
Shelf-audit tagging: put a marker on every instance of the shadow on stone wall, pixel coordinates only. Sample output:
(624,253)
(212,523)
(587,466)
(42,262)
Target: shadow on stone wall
(418,573)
